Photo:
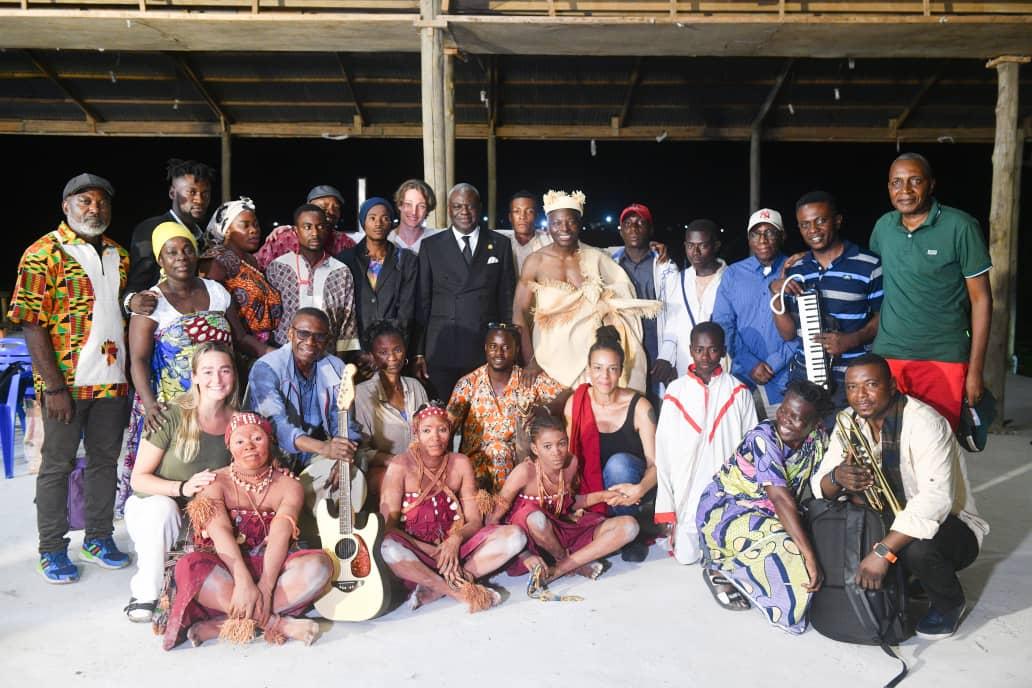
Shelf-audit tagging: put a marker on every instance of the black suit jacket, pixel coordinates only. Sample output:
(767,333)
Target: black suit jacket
(395,294)
(456,301)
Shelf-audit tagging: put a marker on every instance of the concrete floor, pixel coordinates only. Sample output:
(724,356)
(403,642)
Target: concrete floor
(650,624)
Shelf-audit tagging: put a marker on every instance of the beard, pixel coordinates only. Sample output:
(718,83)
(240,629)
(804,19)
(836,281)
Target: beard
(88,228)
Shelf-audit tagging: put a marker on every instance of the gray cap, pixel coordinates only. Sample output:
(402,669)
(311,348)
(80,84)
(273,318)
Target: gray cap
(324,190)
(84,181)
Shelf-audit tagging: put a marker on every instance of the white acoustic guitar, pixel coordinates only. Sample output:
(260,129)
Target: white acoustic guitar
(360,589)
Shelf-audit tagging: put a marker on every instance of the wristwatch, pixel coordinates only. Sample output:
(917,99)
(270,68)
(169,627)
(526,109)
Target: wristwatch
(884,552)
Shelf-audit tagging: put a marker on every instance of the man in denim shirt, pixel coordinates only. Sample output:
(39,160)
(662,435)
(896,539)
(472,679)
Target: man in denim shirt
(296,387)
(759,355)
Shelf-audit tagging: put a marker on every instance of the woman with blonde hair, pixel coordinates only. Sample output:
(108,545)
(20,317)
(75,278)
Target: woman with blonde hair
(174,463)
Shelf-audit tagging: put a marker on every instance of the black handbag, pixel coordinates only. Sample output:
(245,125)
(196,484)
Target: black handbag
(842,534)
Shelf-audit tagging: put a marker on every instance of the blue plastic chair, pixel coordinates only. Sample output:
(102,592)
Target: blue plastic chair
(10,391)
(14,349)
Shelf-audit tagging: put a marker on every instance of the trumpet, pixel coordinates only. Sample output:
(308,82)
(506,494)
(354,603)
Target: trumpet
(858,451)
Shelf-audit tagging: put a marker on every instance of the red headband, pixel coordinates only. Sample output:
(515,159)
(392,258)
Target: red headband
(639,210)
(242,418)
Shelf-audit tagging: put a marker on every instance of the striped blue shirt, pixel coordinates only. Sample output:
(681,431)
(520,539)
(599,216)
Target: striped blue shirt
(850,293)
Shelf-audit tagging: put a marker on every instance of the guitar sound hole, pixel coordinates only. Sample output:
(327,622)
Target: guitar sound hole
(346,548)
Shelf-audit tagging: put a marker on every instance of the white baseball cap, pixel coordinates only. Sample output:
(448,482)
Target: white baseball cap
(766,216)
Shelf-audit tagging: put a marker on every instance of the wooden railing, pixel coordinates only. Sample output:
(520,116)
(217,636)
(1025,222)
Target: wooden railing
(675,8)
(254,6)
(552,8)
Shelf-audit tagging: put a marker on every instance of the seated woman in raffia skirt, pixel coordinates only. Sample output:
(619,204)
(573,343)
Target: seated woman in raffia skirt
(436,541)
(540,496)
(246,574)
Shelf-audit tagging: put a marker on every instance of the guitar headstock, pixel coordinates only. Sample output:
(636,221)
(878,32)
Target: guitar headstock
(346,393)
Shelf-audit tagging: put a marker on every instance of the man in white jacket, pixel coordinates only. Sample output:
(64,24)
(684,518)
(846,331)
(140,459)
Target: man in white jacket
(688,296)
(705,414)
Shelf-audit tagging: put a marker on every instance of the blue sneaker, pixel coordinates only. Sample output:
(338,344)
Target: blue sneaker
(937,624)
(57,568)
(103,552)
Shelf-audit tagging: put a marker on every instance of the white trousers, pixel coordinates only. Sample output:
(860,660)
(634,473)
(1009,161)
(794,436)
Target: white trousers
(153,524)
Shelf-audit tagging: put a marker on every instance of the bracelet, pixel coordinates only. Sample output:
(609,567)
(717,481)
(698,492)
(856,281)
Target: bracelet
(832,476)
(56,390)
(182,484)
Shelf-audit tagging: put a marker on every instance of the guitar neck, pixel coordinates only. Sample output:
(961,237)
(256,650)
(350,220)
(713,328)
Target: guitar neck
(344,475)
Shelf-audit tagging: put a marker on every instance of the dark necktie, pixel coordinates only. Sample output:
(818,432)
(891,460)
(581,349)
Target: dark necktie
(467,254)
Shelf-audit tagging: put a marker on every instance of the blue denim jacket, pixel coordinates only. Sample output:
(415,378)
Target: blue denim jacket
(275,391)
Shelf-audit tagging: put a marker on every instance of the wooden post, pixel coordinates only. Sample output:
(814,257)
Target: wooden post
(492,143)
(492,178)
(1001,228)
(756,132)
(227,162)
(754,170)
(432,77)
(449,117)
(1019,155)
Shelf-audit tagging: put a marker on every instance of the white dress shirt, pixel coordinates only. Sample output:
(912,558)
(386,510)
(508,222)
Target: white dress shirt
(474,237)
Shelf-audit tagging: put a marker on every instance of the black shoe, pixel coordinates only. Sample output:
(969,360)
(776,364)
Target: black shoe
(634,551)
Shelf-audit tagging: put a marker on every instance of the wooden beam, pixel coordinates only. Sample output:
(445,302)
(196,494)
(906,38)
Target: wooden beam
(188,71)
(897,123)
(755,133)
(521,132)
(1005,195)
(226,171)
(1019,154)
(632,84)
(492,140)
(772,94)
(449,117)
(350,88)
(432,77)
(1016,59)
(91,117)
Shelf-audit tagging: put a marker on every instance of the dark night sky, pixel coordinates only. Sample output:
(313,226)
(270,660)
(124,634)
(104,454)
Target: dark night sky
(680,181)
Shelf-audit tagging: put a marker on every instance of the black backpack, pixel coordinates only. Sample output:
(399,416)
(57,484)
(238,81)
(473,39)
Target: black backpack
(843,533)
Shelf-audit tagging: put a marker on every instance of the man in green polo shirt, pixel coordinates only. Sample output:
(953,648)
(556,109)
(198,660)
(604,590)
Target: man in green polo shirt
(935,316)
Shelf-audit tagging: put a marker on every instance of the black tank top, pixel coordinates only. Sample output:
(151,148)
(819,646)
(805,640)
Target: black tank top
(625,439)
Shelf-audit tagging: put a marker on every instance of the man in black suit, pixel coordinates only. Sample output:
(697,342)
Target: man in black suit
(467,279)
(190,192)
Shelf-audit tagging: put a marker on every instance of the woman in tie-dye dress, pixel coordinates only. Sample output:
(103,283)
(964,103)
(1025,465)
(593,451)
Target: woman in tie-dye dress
(189,312)
(754,544)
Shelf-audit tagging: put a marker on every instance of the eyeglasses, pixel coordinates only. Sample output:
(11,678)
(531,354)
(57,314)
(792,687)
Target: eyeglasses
(507,326)
(768,234)
(317,337)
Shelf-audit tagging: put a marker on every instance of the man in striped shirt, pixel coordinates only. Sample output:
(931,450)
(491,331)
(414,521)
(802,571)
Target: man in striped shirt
(849,281)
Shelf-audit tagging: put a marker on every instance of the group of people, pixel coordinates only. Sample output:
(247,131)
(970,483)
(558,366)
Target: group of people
(599,400)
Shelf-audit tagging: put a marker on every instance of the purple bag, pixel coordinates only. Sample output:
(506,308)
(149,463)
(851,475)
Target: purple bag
(77,495)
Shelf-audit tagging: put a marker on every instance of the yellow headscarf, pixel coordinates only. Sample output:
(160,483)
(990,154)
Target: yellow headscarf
(167,230)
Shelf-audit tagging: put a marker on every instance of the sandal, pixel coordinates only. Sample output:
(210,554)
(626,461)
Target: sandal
(140,612)
(731,600)
(537,589)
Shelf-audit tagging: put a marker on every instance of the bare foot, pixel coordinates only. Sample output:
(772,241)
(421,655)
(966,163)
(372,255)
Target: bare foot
(304,630)
(591,570)
(203,631)
(423,595)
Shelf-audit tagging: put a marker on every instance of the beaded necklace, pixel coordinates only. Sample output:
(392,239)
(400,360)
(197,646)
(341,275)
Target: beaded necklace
(557,498)
(257,485)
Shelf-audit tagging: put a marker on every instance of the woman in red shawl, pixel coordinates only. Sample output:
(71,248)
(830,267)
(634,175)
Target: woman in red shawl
(246,574)
(436,541)
(542,494)
(613,435)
